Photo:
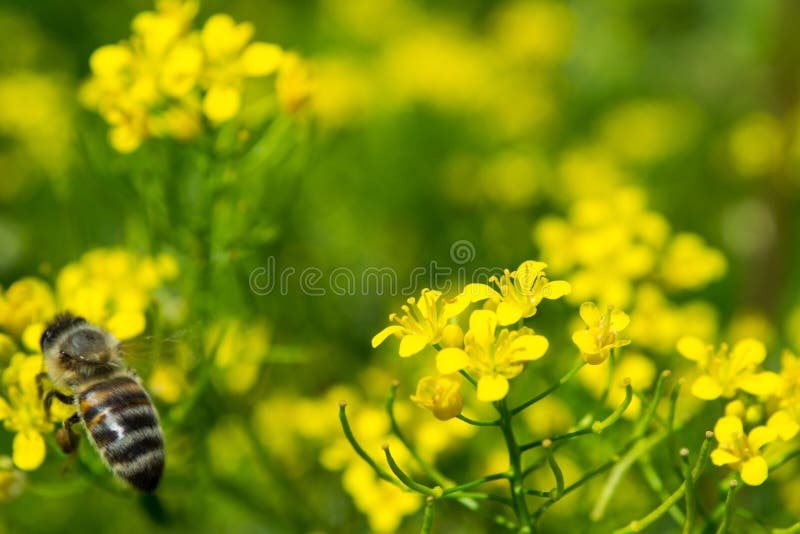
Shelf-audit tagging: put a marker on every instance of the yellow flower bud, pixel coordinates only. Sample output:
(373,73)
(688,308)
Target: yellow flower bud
(441,395)
(452,336)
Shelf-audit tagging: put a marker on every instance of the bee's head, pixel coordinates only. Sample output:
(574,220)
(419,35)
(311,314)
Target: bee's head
(57,327)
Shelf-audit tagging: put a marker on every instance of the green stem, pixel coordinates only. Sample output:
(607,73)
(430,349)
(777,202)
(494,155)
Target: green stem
(469,485)
(657,485)
(540,442)
(407,480)
(348,433)
(663,508)
(431,471)
(572,487)
(729,507)
(691,508)
(427,516)
(564,379)
(557,474)
(788,530)
(644,422)
(612,358)
(469,378)
(515,471)
(783,459)
(600,426)
(473,422)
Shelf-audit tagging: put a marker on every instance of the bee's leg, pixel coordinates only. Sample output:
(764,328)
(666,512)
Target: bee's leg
(40,378)
(48,400)
(66,438)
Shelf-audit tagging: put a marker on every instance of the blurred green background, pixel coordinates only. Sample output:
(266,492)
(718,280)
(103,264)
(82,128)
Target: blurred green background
(429,123)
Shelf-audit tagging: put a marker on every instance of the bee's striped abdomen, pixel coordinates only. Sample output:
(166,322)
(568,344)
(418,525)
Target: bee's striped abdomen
(122,423)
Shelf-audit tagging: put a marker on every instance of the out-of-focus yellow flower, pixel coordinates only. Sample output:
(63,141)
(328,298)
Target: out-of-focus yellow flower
(646,131)
(26,301)
(295,83)
(539,32)
(7,347)
(167,382)
(741,451)
(113,287)
(657,323)
(634,366)
(689,264)
(22,411)
(601,333)
(441,395)
(241,349)
(724,372)
(493,359)
(785,420)
(423,321)
(231,58)
(519,292)
(384,504)
(755,144)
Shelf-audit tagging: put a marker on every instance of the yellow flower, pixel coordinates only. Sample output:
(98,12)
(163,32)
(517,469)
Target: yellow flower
(519,292)
(26,301)
(22,410)
(441,395)
(740,451)
(492,358)
(785,419)
(231,58)
(600,334)
(295,84)
(688,263)
(423,321)
(723,372)
(241,350)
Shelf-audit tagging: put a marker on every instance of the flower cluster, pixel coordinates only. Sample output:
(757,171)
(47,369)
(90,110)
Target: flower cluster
(487,353)
(109,287)
(766,401)
(167,77)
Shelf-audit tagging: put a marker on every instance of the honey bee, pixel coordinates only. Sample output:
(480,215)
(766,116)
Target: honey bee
(109,400)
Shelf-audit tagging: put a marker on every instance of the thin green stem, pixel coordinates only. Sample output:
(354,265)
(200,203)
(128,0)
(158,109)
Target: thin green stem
(515,470)
(657,485)
(793,529)
(691,508)
(652,517)
(473,422)
(600,426)
(348,433)
(557,474)
(568,435)
(783,459)
(729,507)
(612,359)
(431,471)
(644,422)
(469,485)
(427,516)
(563,380)
(469,378)
(572,487)
(407,480)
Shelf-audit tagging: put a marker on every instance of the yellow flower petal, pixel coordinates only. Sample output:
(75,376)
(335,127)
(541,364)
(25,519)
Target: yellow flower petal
(527,273)
(482,324)
(29,450)
(706,388)
(760,384)
(108,60)
(261,59)
(556,289)
(5,409)
(749,351)
(31,336)
(492,388)
(221,103)
(590,314)
(620,320)
(381,336)
(451,360)
(760,436)
(529,347)
(126,325)
(585,340)
(693,348)
(754,471)
(782,422)
(125,138)
(478,292)
(454,306)
(412,344)
(723,457)
(728,429)
(508,313)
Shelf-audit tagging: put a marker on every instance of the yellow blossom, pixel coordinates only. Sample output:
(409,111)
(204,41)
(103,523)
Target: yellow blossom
(519,292)
(688,263)
(724,372)
(493,357)
(600,335)
(22,411)
(240,351)
(295,84)
(423,321)
(26,301)
(741,451)
(785,420)
(441,395)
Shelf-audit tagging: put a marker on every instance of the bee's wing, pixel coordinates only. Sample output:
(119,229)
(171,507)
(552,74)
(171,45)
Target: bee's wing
(144,351)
